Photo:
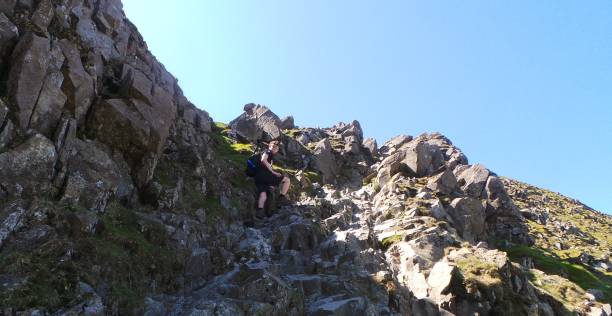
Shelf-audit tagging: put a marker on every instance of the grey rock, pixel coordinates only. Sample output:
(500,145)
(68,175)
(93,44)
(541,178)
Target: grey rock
(109,16)
(445,182)
(395,143)
(352,145)
(10,222)
(136,130)
(371,146)
(92,176)
(4,110)
(421,158)
(325,161)
(6,134)
(29,168)
(596,294)
(338,307)
(89,34)
(194,116)
(469,217)
(30,61)
(257,123)
(352,129)
(441,278)
(41,18)
(425,307)
(8,36)
(473,179)
(47,112)
(545,309)
(287,123)
(79,86)
(85,222)
(7,6)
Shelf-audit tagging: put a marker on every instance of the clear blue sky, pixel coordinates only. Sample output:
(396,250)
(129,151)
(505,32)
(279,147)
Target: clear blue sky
(524,87)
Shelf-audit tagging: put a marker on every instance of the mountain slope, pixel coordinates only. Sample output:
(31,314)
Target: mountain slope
(118,196)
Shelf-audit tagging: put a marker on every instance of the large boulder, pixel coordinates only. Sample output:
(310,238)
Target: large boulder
(257,123)
(468,215)
(92,177)
(421,158)
(352,129)
(389,167)
(30,62)
(29,168)
(137,129)
(88,33)
(109,16)
(51,100)
(370,145)
(78,84)
(472,179)
(324,161)
(394,144)
(287,123)
(41,18)
(441,279)
(445,182)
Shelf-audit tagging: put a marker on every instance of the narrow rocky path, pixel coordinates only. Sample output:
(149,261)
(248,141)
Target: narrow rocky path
(316,257)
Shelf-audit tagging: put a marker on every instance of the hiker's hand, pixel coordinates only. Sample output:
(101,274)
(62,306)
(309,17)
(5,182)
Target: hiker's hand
(278,174)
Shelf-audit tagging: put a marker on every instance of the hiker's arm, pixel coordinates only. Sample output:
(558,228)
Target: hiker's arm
(264,161)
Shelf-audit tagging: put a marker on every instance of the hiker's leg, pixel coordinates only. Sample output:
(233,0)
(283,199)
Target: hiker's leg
(261,202)
(285,185)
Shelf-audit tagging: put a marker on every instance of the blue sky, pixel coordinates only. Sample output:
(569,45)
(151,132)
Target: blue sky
(524,87)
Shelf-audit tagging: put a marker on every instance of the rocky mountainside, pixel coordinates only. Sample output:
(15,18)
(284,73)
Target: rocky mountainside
(118,196)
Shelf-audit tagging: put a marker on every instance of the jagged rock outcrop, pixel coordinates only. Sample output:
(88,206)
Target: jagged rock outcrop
(257,123)
(118,196)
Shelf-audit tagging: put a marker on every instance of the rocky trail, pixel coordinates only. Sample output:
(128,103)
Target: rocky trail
(118,196)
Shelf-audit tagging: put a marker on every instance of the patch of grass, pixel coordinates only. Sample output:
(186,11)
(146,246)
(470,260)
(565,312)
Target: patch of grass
(51,283)
(227,148)
(562,290)
(193,200)
(293,133)
(478,271)
(387,242)
(552,264)
(125,261)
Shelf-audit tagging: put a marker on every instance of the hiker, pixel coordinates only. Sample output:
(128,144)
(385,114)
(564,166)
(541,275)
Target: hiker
(266,178)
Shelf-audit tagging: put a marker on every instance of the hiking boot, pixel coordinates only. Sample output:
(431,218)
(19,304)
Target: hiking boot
(260,213)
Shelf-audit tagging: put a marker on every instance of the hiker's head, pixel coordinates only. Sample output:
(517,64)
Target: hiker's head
(274,146)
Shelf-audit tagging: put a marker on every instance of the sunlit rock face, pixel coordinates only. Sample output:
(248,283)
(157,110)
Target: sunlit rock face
(118,196)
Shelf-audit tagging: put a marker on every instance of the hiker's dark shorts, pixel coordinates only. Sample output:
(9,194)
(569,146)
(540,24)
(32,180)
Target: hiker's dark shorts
(264,181)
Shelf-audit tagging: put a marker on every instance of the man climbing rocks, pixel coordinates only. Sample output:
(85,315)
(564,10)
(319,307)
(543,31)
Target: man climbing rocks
(266,179)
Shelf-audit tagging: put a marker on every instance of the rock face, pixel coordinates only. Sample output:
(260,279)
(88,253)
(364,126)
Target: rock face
(29,168)
(257,123)
(118,196)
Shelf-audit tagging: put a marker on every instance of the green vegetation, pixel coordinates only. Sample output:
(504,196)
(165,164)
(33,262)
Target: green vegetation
(228,149)
(478,271)
(214,210)
(387,242)
(552,264)
(128,257)
(562,290)
(293,133)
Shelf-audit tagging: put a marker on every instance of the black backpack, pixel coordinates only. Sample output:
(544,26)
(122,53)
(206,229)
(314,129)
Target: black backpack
(252,165)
